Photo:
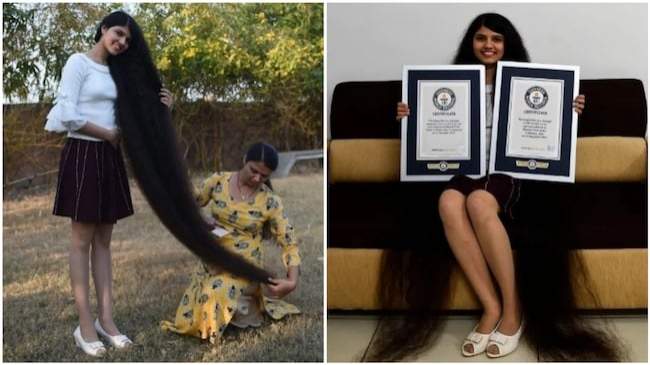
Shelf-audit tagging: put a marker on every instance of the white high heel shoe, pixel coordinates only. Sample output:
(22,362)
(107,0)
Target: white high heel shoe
(479,341)
(117,341)
(95,348)
(506,344)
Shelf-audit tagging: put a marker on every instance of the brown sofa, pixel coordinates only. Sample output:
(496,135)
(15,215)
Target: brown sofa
(369,210)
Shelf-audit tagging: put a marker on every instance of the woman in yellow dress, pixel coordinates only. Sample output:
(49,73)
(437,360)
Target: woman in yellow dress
(242,204)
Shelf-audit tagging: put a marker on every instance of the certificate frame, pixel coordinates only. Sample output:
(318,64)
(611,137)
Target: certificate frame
(557,162)
(416,165)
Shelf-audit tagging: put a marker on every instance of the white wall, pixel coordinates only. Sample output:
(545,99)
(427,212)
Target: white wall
(373,41)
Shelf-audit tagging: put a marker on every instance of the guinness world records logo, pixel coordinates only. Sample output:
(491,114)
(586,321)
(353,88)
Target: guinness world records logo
(536,97)
(444,98)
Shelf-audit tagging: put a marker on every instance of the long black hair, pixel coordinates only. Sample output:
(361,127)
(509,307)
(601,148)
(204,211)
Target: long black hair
(418,279)
(513,45)
(154,154)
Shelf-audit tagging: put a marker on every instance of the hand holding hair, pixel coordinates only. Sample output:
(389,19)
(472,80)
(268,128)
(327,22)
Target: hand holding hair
(279,288)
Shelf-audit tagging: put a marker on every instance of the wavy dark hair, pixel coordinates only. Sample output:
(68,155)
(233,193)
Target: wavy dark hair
(152,147)
(417,280)
(513,45)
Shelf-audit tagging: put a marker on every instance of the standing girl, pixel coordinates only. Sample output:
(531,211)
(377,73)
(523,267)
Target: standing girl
(92,189)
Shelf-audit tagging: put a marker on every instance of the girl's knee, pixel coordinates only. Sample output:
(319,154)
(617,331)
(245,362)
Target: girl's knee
(82,236)
(481,205)
(103,235)
(80,244)
(451,205)
(101,244)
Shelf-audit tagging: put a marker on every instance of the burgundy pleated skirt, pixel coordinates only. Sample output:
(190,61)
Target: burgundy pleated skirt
(92,186)
(504,188)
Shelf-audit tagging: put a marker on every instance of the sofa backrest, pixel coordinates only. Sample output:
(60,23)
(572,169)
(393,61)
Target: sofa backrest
(367,109)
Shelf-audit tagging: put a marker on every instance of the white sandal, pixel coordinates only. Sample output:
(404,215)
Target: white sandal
(479,341)
(117,341)
(95,348)
(506,344)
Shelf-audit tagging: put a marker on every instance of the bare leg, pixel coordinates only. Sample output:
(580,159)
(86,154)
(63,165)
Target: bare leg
(101,259)
(82,236)
(483,211)
(466,249)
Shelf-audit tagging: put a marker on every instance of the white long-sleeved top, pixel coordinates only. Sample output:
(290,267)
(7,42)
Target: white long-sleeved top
(489,111)
(87,93)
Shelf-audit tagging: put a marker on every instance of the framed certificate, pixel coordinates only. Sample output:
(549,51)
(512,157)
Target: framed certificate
(444,134)
(534,127)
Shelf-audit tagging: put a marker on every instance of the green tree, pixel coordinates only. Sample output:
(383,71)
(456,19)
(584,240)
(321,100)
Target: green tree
(220,60)
(39,38)
(269,53)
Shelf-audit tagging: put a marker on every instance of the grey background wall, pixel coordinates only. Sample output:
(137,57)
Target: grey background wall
(373,41)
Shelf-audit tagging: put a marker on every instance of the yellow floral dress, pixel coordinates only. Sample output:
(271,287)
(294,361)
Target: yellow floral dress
(211,301)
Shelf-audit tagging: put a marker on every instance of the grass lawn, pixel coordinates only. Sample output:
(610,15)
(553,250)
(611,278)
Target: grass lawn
(150,272)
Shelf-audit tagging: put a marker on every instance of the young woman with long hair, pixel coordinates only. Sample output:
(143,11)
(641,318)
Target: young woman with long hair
(115,84)
(469,210)
(243,207)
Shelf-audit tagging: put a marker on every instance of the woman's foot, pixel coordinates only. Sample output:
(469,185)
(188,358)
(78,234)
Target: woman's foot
(486,325)
(87,331)
(488,321)
(108,326)
(92,348)
(119,341)
(510,326)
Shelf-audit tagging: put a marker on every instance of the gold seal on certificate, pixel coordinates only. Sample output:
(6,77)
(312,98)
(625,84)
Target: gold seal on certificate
(534,128)
(444,135)
(443,120)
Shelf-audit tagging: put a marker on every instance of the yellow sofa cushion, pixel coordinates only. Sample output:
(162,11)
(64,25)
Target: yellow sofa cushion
(598,159)
(619,280)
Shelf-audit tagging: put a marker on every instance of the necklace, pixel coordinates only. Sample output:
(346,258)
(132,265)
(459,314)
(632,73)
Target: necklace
(239,189)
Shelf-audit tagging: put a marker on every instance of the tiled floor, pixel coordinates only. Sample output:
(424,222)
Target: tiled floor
(348,337)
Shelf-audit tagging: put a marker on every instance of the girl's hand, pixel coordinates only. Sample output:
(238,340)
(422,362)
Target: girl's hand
(279,288)
(114,137)
(166,98)
(402,110)
(579,104)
